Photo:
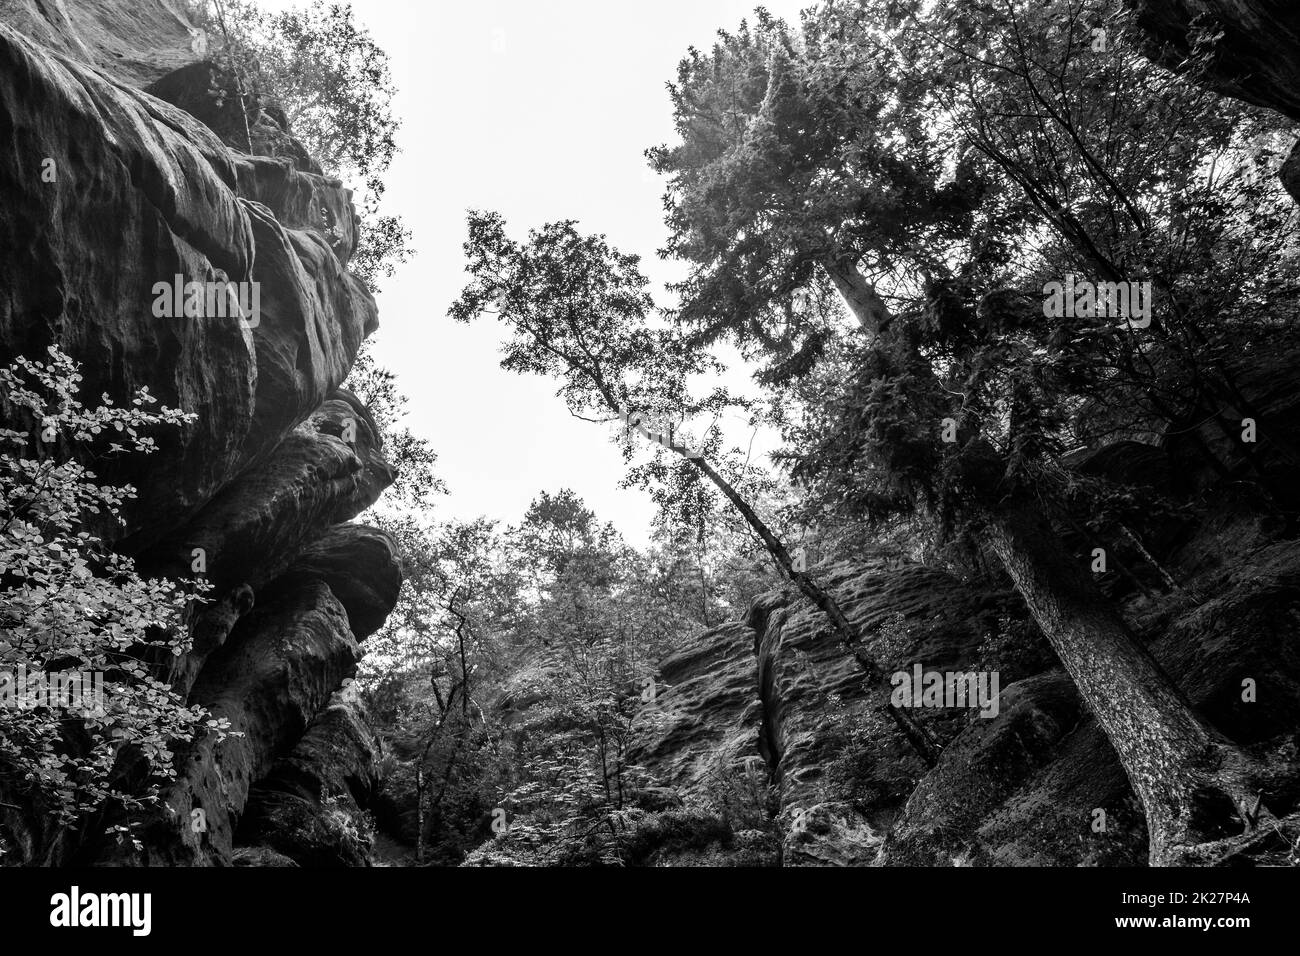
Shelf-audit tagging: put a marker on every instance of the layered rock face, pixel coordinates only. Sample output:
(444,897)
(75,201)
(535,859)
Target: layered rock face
(1033,781)
(118,177)
(1256,57)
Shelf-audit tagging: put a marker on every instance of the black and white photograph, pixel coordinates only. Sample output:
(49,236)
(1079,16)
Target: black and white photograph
(580,437)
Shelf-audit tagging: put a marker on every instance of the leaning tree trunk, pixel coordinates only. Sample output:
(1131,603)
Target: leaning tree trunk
(912,729)
(916,734)
(1195,785)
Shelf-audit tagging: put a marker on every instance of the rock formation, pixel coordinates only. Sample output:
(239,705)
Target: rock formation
(1256,57)
(119,175)
(778,697)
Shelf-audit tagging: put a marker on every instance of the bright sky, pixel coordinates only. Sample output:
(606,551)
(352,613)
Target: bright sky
(540,110)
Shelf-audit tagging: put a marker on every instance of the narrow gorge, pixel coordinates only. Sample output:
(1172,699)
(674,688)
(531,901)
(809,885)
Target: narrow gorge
(741,731)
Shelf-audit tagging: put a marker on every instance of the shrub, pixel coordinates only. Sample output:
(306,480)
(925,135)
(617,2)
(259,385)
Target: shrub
(68,603)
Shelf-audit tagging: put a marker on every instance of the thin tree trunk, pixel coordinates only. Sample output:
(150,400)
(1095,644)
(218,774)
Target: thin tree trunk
(419,815)
(704,592)
(234,70)
(1111,556)
(1150,559)
(915,732)
(912,729)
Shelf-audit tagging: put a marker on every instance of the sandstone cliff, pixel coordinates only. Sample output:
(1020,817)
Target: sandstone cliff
(1256,56)
(117,179)
(777,696)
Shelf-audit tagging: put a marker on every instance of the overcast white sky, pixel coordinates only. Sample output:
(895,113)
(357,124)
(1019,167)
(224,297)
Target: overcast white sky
(540,110)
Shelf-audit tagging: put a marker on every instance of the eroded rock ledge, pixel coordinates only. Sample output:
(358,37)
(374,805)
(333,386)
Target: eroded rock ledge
(149,183)
(1256,57)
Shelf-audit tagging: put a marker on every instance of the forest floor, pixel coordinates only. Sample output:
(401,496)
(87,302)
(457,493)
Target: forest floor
(386,851)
